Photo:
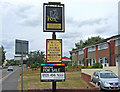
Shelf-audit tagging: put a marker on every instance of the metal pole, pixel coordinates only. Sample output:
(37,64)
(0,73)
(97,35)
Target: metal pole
(54,82)
(53,35)
(54,86)
(22,67)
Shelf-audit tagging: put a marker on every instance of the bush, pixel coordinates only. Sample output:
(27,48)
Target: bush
(89,67)
(66,63)
(69,64)
(82,67)
(97,65)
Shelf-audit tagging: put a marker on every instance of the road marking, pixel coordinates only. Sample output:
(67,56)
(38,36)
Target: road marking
(6,76)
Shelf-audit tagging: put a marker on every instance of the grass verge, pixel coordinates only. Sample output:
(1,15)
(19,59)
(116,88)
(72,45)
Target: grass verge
(32,80)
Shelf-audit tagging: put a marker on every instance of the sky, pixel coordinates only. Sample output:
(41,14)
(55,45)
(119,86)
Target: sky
(23,19)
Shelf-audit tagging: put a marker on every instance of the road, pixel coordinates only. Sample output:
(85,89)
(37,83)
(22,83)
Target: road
(10,80)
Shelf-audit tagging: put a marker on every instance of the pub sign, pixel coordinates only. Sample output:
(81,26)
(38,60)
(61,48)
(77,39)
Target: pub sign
(53,18)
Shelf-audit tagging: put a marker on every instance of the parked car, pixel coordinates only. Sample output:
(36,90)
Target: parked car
(10,68)
(4,67)
(106,80)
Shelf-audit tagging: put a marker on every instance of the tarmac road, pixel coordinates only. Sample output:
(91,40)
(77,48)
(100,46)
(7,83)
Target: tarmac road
(10,80)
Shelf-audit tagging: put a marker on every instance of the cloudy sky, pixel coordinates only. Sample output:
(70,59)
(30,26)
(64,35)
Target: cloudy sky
(22,19)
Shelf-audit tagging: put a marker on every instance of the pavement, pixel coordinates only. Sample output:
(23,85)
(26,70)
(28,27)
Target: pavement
(10,80)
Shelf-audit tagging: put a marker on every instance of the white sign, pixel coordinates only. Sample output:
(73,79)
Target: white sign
(18,58)
(53,76)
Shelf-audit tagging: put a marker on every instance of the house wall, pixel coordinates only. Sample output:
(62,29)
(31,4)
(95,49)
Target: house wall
(117,50)
(112,61)
(74,58)
(81,57)
(110,53)
(92,55)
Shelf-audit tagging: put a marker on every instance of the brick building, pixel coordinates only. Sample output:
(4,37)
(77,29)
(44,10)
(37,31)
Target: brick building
(106,51)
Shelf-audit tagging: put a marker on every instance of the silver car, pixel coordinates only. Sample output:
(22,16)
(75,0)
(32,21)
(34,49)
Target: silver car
(10,68)
(106,80)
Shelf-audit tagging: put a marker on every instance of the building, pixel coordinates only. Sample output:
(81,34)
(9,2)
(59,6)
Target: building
(106,52)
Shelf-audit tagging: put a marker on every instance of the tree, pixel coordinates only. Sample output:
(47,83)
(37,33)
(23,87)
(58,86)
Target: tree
(35,58)
(87,42)
(2,55)
(79,44)
(92,40)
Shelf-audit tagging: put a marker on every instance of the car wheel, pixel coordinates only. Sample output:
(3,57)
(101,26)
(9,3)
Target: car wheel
(100,88)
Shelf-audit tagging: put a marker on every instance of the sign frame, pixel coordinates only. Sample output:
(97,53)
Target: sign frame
(47,50)
(53,5)
(18,58)
(52,80)
(20,46)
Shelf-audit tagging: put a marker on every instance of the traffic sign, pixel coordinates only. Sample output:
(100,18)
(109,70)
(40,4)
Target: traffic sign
(21,46)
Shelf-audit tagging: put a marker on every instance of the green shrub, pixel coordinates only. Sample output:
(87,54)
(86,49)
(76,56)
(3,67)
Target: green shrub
(69,64)
(97,65)
(82,67)
(89,67)
(66,63)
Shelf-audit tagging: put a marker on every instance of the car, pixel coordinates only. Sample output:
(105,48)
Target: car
(106,80)
(10,68)
(1,67)
(4,67)
(19,65)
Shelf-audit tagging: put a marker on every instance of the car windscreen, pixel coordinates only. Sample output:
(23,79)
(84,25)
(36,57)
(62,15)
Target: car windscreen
(10,67)
(108,75)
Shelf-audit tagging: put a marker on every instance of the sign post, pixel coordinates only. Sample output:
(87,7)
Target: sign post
(54,82)
(53,21)
(21,47)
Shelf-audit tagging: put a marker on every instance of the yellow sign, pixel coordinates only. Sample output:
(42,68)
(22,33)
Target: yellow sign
(54,51)
(54,26)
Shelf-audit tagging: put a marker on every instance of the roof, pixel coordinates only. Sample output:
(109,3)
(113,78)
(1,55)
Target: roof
(102,41)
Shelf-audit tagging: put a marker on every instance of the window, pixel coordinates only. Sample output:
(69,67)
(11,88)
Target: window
(103,46)
(117,42)
(80,62)
(106,60)
(73,54)
(80,52)
(101,60)
(90,49)
(116,58)
(93,61)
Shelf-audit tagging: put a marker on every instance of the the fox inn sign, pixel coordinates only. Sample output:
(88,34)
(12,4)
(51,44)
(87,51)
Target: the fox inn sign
(53,18)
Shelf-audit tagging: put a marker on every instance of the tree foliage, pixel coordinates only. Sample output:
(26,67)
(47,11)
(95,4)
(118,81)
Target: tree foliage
(35,58)
(2,55)
(13,63)
(89,41)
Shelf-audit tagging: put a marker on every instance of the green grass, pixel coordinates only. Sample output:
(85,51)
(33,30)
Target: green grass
(32,80)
